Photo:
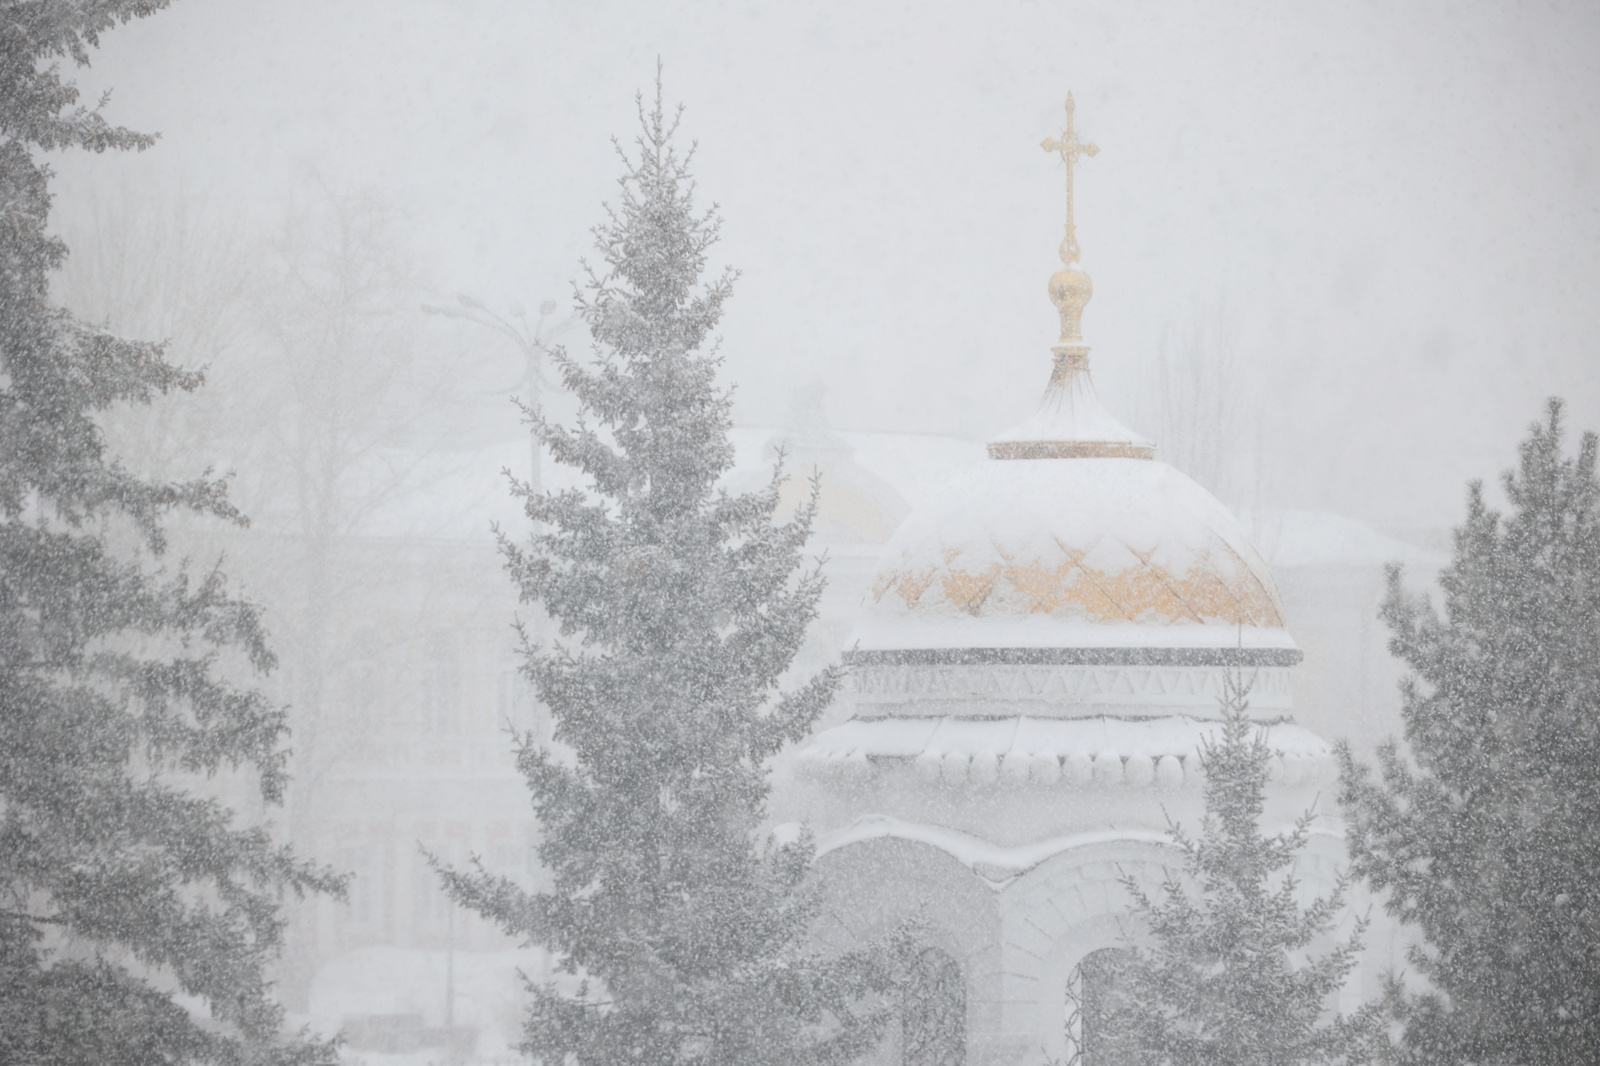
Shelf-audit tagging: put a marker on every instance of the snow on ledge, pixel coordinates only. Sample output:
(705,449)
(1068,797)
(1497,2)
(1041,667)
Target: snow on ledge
(1098,752)
(997,864)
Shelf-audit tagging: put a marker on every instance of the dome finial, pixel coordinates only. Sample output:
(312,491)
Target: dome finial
(1070,288)
(1070,423)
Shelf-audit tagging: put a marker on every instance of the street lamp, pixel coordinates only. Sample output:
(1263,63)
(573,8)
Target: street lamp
(534,339)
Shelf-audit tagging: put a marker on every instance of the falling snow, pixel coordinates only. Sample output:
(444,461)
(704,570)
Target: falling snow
(496,569)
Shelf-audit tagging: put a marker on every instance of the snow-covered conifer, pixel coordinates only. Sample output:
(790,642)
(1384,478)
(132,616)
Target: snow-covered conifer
(136,914)
(1230,972)
(1483,832)
(679,608)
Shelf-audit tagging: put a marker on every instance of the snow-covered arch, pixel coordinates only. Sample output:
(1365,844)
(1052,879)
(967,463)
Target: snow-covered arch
(1055,914)
(1015,919)
(870,886)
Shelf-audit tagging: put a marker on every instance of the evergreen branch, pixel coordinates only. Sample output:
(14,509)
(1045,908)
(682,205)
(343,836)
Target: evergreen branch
(49,919)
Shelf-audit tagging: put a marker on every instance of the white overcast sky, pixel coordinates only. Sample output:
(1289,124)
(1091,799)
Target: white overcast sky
(1393,205)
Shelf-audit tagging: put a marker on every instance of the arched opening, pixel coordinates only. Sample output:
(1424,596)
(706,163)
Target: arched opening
(933,1012)
(1092,997)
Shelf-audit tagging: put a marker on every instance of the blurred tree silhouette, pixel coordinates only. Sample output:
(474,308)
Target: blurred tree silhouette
(122,885)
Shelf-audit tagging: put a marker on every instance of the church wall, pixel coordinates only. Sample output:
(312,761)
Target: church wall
(1069,906)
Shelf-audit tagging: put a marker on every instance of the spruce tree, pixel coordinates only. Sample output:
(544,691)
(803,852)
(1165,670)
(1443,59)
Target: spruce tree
(136,913)
(1483,829)
(679,607)
(1228,974)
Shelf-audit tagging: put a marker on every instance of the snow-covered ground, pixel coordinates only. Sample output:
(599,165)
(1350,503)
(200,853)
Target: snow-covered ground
(400,1007)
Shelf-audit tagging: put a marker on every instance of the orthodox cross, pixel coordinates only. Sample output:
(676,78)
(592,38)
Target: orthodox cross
(1070,148)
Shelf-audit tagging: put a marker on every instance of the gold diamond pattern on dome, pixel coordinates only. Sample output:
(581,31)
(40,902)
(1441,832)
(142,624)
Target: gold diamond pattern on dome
(1108,582)
(969,591)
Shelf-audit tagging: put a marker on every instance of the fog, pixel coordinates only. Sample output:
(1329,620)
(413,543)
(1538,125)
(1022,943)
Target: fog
(1341,256)
(1384,212)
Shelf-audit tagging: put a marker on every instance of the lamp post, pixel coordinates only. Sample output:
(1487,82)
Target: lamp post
(533,339)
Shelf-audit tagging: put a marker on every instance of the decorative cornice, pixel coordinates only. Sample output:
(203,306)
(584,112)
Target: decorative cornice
(1243,657)
(1069,449)
(1028,751)
(1055,690)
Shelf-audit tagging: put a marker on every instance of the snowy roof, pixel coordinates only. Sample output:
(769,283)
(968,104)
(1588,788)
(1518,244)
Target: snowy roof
(1103,552)
(456,494)
(1321,538)
(854,504)
(1098,751)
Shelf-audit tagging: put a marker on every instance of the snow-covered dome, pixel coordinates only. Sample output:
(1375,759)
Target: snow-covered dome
(1072,553)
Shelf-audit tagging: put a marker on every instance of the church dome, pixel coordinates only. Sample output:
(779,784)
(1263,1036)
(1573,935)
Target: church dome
(1088,552)
(1072,543)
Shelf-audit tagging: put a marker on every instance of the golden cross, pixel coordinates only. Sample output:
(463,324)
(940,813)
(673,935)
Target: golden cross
(1070,148)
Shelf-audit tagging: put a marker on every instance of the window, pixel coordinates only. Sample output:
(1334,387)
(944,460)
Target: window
(361,685)
(363,897)
(517,705)
(440,681)
(1092,998)
(933,1013)
(434,908)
